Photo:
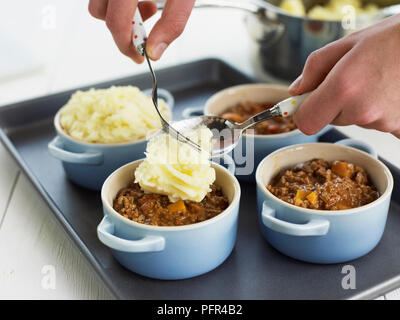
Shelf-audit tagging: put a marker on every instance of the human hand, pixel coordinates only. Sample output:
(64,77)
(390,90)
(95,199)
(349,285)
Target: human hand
(356,80)
(118,15)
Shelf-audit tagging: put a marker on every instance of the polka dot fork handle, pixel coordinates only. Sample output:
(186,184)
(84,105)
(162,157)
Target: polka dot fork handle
(284,108)
(289,106)
(139,35)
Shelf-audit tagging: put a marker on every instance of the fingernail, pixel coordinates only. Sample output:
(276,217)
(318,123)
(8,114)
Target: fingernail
(158,50)
(296,83)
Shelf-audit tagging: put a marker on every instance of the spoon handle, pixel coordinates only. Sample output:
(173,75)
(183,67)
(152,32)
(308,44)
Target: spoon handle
(139,35)
(290,105)
(284,108)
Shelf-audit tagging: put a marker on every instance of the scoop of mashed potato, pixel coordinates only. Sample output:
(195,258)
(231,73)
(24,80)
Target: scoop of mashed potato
(113,115)
(176,169)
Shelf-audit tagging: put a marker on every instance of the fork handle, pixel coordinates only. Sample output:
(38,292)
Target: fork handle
(284,108)
(290,105)
(139,35)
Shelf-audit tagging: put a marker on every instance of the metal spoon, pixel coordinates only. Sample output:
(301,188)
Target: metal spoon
(226,133)
(139,40)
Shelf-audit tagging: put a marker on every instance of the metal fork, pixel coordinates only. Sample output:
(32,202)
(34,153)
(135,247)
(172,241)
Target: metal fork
(139,40)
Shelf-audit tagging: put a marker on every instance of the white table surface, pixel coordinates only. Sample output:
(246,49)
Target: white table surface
(66,49)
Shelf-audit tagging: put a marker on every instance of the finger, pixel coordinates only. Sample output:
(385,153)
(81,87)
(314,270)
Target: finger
(343,119)
(358,107)
(318,65)
(396,134)
(119,21)
(383,125)
(354,113)
(147,9)
(319,109)
(169,27)
(98,8)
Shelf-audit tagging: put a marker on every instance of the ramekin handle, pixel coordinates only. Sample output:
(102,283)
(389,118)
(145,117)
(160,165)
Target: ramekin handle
(190,112)
(163,94)
(314,227)
(56,149)
(105,233)
(360,145)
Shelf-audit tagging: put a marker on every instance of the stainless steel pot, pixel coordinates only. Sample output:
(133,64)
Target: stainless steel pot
(282,42)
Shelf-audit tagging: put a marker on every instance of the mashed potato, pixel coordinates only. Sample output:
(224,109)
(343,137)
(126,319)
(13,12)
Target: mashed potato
(333,10)
(294,7)
(176,169)
(113,115)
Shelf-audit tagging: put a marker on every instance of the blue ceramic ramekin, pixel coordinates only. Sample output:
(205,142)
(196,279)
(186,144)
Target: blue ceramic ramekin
(164,252)
(321,236)
(89,164)
(252,149)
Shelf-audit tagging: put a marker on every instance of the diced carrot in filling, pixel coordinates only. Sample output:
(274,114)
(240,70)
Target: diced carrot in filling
(342,206)
(177,206)
(342,168)
(312,198)
(300,196)
(298,202)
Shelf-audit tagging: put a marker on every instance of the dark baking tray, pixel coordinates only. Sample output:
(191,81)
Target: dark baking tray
(254,270)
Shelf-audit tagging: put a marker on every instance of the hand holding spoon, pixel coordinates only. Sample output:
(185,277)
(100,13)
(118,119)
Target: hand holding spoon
(226,133)
(139,40)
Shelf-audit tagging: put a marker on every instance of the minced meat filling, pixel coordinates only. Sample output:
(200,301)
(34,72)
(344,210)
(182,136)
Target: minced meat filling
(324,185)
(245,110)
(155,209)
